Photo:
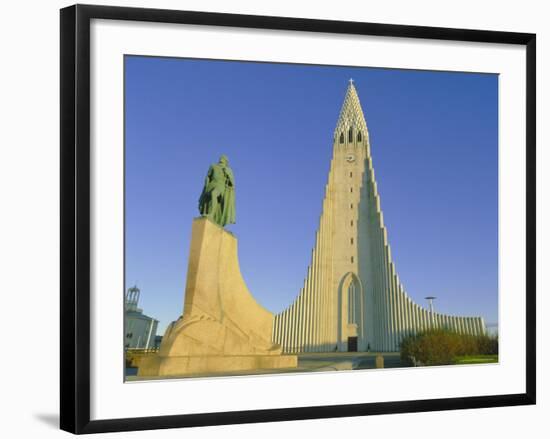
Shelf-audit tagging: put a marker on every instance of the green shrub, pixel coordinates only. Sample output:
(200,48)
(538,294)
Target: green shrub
(441,346)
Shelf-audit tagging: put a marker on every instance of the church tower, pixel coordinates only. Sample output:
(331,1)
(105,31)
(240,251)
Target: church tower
(352,298)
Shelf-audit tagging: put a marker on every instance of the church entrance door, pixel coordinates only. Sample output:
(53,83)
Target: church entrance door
(352,344)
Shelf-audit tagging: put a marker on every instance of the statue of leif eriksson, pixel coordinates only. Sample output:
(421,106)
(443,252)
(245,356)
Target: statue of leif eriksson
(217,200)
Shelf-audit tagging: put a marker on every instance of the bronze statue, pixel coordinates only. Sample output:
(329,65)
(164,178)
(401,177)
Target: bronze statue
(217,200)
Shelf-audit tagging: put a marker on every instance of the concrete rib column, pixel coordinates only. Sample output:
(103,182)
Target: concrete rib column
(410,317)
(403,307)
(389,295)
(398,325)
(402,310)
(326,278)
(389,298)
(416,326)
(468,325)
(315,302)
(290,328)
(294,325)
(311,307)
(384,293)
(406,310)
(393,292)
(426,319)
(285,331)
(378,285)
(414,323)
(307,309)
(330,309)
(320,288)
(282,330)
(416,318)
(375,286)
(479,326)
(297,325)
(301,321)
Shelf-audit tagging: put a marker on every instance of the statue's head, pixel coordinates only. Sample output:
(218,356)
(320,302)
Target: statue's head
(224,160)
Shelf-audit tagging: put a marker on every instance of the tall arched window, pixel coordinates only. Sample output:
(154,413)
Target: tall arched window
(350,135)
(359,138)
(341,137)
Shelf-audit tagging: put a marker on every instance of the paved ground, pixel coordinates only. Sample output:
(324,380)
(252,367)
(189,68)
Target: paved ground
(346,361)
(312,362)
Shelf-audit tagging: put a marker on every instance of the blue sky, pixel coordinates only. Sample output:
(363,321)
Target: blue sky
(434,142)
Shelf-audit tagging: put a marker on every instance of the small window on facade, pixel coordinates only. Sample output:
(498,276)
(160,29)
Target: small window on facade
(351,189)
(351,241)
(352,223)
(351,174)
(351,206)
(352,259)
(341,137)
(350,135)
(359,138)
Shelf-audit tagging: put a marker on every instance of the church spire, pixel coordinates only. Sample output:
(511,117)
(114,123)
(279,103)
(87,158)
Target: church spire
(351,114)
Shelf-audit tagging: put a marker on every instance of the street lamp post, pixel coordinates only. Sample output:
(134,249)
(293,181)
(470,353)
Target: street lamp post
(430,299)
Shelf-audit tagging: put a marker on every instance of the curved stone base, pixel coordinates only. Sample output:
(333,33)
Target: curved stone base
(223,328)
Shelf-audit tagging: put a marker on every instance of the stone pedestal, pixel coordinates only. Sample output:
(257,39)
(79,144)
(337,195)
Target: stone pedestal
(222,328)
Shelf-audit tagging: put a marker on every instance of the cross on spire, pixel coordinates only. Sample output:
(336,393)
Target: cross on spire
(350,81)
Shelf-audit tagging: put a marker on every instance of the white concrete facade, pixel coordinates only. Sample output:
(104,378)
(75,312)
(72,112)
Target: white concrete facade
(352,293)
(139,330)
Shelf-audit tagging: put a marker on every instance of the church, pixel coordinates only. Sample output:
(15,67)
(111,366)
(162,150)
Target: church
(352,298)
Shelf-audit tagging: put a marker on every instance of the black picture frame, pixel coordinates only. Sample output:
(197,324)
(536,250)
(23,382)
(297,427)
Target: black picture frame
(75,217)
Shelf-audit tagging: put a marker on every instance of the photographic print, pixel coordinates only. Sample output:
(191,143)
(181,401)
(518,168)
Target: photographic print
(288,218)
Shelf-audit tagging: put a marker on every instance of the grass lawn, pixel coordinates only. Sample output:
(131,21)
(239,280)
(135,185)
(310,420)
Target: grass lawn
(476,359)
